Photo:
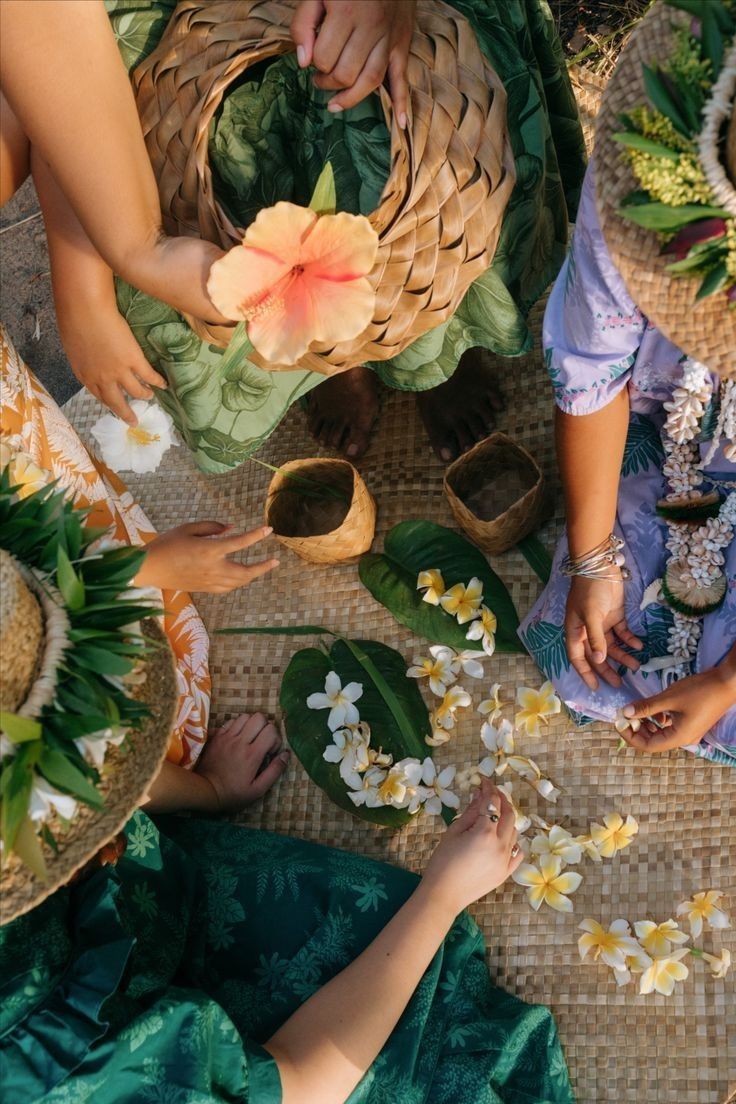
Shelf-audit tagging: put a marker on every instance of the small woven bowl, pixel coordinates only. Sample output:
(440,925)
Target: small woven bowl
(322,530)
(497,493)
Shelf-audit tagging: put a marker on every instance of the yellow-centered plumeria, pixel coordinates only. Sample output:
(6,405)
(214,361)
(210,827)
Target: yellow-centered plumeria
(24,473)
(704,907)
(537,706)
(612,946)
(557,841)
(614,834)
(492,706)
(719,964)
(659,939)
(663,973)
(445,714)
(463,602)
(437,668)
(433,585)
(546,884)
(484,630)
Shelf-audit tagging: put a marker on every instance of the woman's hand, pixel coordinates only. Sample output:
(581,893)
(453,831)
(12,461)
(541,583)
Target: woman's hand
(685,711)
(475,854)
(354,44)
(194,557)
(595,627)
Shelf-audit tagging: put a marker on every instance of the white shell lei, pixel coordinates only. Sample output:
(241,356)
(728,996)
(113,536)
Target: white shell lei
(701,547)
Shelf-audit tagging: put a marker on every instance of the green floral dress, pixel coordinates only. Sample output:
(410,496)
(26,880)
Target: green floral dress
(270,142)
(158,981)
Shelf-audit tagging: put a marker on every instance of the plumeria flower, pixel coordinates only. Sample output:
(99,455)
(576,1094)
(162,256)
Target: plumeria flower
(438,668)
(46,799)
(659,939)
(614,834)
(350,749)
(719,964)
(394,790)
(536,706)
(663,973)
(426,776)
(498,740)
(139,448)
(484,629)
(468,778)
(546,789)
(626,724)
(463,602)
(612,946)
(469,663)
(589,847)
(433,585)
(298,278)
(368,792)
(492,706)
(546,884)
(703,906)
(439,735)
(636,963)
(522,823)
(339,700)
(455,698)
(94,747)
(25,474)
(380,758)
(558,841)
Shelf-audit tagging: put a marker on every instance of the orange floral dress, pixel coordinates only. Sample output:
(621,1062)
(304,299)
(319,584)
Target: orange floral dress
(32,424)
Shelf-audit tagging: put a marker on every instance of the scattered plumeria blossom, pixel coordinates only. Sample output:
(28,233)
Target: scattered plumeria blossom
(537,706)
(659,939)
(339,700)
(463,602)
(703,907)
(445,715)
(484,629)
(139,448)
(546,884)
(719,964)
(470,663)
(437,669)
(433,585)
(557,841)
(492,707)
(432,787)
(350,748)
(614,834)
(663,973)
(613,946)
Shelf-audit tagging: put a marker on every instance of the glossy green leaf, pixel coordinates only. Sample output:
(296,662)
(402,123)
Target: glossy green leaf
(19,729)
(713,281)
(633,140)
(537,556)
(414,546)
(61,772)
(307,729)
(660,216)
(68,582)
(324,196)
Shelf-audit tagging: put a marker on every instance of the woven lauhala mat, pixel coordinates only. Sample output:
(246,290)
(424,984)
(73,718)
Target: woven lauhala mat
(620,1047)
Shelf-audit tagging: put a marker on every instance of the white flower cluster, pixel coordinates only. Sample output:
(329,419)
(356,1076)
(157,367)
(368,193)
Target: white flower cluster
(654,951)
(688,403)
(462,602)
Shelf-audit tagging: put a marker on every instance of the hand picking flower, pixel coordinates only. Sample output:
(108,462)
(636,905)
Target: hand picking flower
(614,834)
(137,448)
(663,973)
(463,602)
(557,841)
(298,278)
(703,907)
(659,939)
(484,629)
(437,668)
(340,701)
(537,706)
(492,706)
(546,883)
(433,585)
(612,946)
(522,822)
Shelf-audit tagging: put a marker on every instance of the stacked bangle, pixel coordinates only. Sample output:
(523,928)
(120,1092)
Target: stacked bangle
(605,561)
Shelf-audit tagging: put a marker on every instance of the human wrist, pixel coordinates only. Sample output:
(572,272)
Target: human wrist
(437,902)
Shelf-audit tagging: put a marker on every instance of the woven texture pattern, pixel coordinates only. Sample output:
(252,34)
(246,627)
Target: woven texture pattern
(452,170)
(622,1049)
(481,483)
(705,330)
(289,510)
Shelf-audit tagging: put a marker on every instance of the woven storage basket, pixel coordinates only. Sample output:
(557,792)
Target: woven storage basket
(704,330)
(452,169)
(494,473)
(291,513)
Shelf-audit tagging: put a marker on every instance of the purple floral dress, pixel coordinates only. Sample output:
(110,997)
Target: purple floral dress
(597,342)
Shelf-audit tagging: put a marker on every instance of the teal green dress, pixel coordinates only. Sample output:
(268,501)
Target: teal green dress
(159,980)
(270,141)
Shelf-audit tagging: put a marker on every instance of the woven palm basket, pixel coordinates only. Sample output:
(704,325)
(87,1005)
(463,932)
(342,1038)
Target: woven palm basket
(704,330)
(322,530)
(452,169)
(621,1048)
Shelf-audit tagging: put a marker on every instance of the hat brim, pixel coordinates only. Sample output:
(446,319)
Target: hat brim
(127,774)
(704,330)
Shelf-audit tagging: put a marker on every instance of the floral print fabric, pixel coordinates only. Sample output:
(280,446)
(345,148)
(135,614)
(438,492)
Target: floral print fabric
(270,142)
(31,422)
(596,343)
(234,929)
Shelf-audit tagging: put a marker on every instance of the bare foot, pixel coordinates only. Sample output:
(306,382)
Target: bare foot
(242,760)
(462,411)
(343,410)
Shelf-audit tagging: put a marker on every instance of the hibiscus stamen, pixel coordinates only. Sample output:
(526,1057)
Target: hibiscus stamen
(142,436)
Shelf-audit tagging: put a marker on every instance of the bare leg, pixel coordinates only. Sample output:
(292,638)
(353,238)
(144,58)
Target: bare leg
(15,153)
(343,410)
(71,95)
(462,411)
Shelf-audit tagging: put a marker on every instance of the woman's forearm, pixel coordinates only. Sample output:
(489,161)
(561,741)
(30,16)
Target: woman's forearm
(324,1048)
(590,448)
(177,788)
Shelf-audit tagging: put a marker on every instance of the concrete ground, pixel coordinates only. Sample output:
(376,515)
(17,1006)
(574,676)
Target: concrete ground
(26,302)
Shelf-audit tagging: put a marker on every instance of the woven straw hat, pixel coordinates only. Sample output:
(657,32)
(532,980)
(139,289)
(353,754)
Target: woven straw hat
(704,330)
(452,169)
(32,644)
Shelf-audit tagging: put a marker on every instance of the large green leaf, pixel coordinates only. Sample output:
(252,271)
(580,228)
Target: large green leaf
(307,728)
(414,546)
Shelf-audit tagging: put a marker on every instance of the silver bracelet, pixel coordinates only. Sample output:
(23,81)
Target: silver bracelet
(605,561)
